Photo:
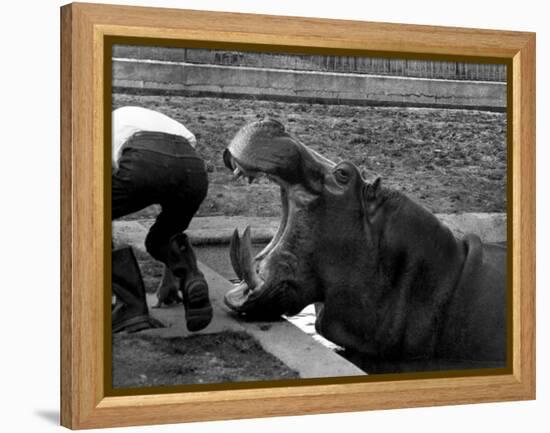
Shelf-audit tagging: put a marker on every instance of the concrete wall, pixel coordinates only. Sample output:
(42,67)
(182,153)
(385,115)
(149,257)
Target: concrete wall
(155,76)
(359,64)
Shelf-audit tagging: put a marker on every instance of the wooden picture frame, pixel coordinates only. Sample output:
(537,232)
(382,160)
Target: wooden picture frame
(85,227)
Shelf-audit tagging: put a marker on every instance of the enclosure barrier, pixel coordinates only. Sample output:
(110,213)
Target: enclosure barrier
(189,79)
(345,64)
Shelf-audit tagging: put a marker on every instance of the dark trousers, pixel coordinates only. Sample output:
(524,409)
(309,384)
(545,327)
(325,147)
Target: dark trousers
(164,169)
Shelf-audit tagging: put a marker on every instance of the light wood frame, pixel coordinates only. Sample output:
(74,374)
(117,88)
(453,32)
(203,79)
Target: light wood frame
(83,223)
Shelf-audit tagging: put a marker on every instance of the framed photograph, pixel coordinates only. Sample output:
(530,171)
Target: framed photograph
(265,215)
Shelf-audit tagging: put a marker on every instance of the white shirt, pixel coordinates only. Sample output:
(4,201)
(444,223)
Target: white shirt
(126,121)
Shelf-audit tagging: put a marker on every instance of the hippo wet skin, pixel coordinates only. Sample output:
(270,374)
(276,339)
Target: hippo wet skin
(395,285)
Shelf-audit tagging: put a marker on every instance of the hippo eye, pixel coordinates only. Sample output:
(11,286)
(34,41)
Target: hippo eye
(342,175)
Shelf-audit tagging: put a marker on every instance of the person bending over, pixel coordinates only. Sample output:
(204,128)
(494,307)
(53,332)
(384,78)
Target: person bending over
(155,162)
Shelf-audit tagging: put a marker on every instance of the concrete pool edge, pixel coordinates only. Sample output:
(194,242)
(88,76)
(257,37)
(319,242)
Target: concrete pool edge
(490,227)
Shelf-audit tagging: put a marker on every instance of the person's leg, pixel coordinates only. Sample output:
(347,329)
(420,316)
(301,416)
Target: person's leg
(167,242)
(130,193)
(179,202)
(193,285)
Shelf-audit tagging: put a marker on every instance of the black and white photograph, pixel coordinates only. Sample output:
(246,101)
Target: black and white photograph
(319,216)
(283,216)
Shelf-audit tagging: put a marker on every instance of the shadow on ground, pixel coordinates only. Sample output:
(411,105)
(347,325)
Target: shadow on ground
(49,415)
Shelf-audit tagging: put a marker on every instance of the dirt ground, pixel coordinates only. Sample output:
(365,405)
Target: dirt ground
(141,360)
(447,160)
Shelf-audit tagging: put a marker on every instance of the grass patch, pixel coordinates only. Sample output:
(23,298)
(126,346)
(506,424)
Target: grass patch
(143,360)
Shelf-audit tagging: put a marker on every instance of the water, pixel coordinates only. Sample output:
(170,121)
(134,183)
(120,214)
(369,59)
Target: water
(305,320)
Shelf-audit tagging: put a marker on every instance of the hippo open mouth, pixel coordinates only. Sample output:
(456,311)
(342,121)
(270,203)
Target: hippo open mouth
(278,280)
(395,283)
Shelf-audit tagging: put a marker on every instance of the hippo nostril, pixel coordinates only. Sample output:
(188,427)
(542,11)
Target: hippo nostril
(234,254)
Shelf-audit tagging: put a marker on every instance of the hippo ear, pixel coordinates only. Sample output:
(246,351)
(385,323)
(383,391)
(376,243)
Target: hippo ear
(371,197)
(373,190)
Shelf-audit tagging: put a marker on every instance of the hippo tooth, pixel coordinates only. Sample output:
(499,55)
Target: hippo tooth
(242,283)
(235,253)
(237,172)
(246,260)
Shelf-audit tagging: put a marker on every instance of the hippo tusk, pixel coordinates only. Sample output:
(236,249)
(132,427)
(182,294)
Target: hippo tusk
(240,252)
(246,261)
(234,254)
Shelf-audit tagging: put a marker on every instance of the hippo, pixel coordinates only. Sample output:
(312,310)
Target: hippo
(392,282)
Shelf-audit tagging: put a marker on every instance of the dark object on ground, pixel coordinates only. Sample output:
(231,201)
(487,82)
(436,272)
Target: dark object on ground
(395,283)
(141,360)
(130,312)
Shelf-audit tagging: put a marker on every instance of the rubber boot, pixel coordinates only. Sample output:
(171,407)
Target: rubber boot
(194,289)
(130,312)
